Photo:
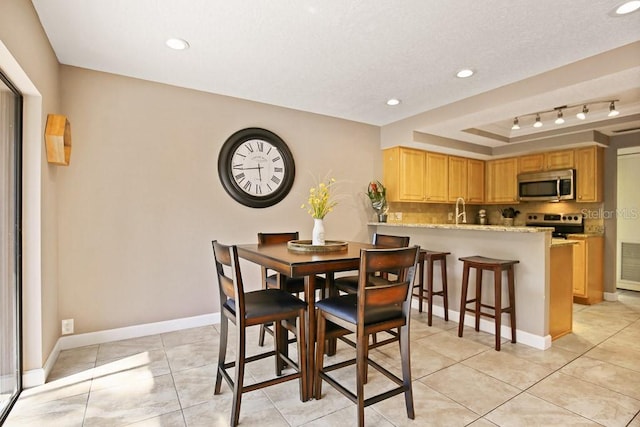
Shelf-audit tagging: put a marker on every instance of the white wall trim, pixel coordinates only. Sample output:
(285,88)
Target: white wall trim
(611,296)
(522,337)
(136,331)
(36,377)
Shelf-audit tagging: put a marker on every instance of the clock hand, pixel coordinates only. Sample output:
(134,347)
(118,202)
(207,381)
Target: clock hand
(260,172)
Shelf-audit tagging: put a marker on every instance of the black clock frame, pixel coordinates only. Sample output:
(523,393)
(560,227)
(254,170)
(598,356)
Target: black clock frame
(225,169)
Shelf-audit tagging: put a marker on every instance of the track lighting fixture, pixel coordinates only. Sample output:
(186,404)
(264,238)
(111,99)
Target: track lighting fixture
(583,114)
(538,123)
(559,113)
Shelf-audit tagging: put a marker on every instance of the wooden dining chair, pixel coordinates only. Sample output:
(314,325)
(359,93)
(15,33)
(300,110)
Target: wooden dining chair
(372,309)
(274,280)
(349,284)
(249,309)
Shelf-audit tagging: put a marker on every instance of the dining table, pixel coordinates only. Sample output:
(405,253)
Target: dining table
(307,264)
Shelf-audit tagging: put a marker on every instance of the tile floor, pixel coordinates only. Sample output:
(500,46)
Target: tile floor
(590,377)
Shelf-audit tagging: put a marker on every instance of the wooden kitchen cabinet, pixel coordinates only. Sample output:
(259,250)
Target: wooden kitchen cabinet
(559,160)
(501,180)
(404,174)
(458,178)
(589,163)
(551,160)
(561,290)
(475,181)
(588,269)
(437,177)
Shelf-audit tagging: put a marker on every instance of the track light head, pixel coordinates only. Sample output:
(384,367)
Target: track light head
(560,119)
(583,114)
(516,124)
(538,123)
(612,109)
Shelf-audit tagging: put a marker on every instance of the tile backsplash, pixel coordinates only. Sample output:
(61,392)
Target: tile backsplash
(444,213)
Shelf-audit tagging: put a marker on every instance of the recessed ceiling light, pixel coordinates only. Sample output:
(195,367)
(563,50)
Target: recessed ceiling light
(393,101)
(628,7)
(463,74)
(177,44)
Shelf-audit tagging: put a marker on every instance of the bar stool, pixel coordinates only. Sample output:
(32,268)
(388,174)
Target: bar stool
(481,263)
(429,257)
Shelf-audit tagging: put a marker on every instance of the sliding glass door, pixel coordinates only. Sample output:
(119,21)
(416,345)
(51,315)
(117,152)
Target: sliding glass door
(10,238)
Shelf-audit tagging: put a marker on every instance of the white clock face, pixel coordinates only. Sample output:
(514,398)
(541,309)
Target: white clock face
(258,167)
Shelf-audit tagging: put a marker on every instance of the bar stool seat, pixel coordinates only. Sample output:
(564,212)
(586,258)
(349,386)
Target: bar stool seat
(430,257)
(480,264)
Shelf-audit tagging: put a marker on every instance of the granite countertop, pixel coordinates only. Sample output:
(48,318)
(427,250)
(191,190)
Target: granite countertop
(562,242)
(474,227)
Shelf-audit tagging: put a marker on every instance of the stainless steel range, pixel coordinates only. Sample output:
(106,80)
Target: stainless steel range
(563,223)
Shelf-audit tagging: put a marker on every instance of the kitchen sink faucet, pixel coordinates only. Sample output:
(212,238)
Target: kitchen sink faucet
(459,214)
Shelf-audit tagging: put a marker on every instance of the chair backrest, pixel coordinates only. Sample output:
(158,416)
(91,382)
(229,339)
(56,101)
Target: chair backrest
(273,238)
(402,261)
(229,276)
(390,241)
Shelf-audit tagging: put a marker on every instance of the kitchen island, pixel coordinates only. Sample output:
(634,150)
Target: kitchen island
(530,245)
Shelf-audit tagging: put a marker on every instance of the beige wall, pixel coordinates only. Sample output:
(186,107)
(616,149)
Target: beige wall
(36,75)
(141,200)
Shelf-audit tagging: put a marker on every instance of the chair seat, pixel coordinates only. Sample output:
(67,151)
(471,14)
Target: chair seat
(346,308)
(268,302)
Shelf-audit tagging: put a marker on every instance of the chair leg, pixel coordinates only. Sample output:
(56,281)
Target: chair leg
(512,303)
(261,336)
(302,356)
(445,288)
(278,345)
(497,280)
(239,375)
(405,357)
(463,297)
(222,351)
(420,285)
(478,297)
(361,373)
(430,291)
(317,381)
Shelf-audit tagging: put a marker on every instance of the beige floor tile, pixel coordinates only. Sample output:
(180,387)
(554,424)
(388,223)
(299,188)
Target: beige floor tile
(255,410)
(132,402)
(482,422)
(188,336)
(578,342)
(612,377)
(192,355)
(68,386)
(473,389)
(480,337)
(453,347)
(508,368)
(617,353)
(172,419)
(116,349)
(635,422)
(528,410)
(68,411)
(347,417)
(589,400)
(551,358)
(431,409)
(74,361)
(140,366)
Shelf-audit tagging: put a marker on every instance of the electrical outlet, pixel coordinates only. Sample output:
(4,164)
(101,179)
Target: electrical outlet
(450,216)
(67,326)
(398,216)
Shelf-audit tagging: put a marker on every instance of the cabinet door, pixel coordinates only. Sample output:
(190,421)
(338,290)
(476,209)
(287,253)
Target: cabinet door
(411,180)
(502,185)
(475,180)
(458,178)
(589,174)
(579,268)
(436,177)
(559,160)
(531,163)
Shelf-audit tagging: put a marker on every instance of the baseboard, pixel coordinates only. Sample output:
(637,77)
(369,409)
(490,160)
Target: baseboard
(36,377)
(526,338)
(610,296)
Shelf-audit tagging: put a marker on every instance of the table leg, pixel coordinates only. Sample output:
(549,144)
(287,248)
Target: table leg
(310,299)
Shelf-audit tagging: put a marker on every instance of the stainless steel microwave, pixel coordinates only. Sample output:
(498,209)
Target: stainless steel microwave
(547,186)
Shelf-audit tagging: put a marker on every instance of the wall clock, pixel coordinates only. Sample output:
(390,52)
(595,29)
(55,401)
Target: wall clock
(256,167)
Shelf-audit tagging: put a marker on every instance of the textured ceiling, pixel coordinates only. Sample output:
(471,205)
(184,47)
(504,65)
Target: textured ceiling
(345,58)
